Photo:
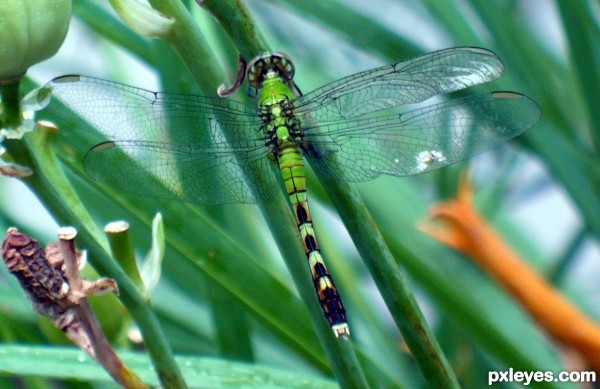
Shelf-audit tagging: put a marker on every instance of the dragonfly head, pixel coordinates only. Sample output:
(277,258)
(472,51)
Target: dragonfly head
(268,66)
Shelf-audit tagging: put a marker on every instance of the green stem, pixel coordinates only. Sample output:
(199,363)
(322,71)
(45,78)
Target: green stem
(190,45)
(121,248)
(11,104)
(54,189)
(390,281)
(235,18)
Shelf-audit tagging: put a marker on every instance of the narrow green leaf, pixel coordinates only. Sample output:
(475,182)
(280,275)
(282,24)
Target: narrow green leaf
(70,363)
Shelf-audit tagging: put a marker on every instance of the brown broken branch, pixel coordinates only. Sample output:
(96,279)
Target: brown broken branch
(51,280)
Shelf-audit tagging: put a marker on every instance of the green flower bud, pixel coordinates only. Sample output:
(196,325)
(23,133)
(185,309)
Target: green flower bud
(30,32)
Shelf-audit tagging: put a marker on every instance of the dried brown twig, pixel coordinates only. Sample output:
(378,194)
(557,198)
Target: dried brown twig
(51,280)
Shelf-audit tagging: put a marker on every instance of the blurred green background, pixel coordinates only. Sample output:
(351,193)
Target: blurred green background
(222,265)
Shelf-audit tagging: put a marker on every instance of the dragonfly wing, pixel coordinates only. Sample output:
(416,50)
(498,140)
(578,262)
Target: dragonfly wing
(421,140)
(167,145)
(411,81)
(189,173)
(119,111)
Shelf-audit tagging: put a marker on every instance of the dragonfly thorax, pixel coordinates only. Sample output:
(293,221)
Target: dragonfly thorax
(282,133)
(281,126)
(274,90)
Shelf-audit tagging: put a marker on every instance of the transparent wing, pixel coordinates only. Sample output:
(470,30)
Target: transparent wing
(421,140)
(191,173)
(170,145)
(411,81)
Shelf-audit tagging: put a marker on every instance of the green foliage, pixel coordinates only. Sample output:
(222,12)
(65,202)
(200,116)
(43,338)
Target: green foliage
(68,363)
(225,292)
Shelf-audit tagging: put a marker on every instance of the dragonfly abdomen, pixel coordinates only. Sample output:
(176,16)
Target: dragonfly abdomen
(284,136)
(292,170)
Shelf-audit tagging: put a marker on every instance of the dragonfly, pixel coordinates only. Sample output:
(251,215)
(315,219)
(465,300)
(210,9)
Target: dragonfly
(213,151)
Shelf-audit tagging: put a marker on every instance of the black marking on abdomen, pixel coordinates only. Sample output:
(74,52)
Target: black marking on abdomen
(310,243)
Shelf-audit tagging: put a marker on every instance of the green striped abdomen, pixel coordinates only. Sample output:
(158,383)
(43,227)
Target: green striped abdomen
(293,173)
